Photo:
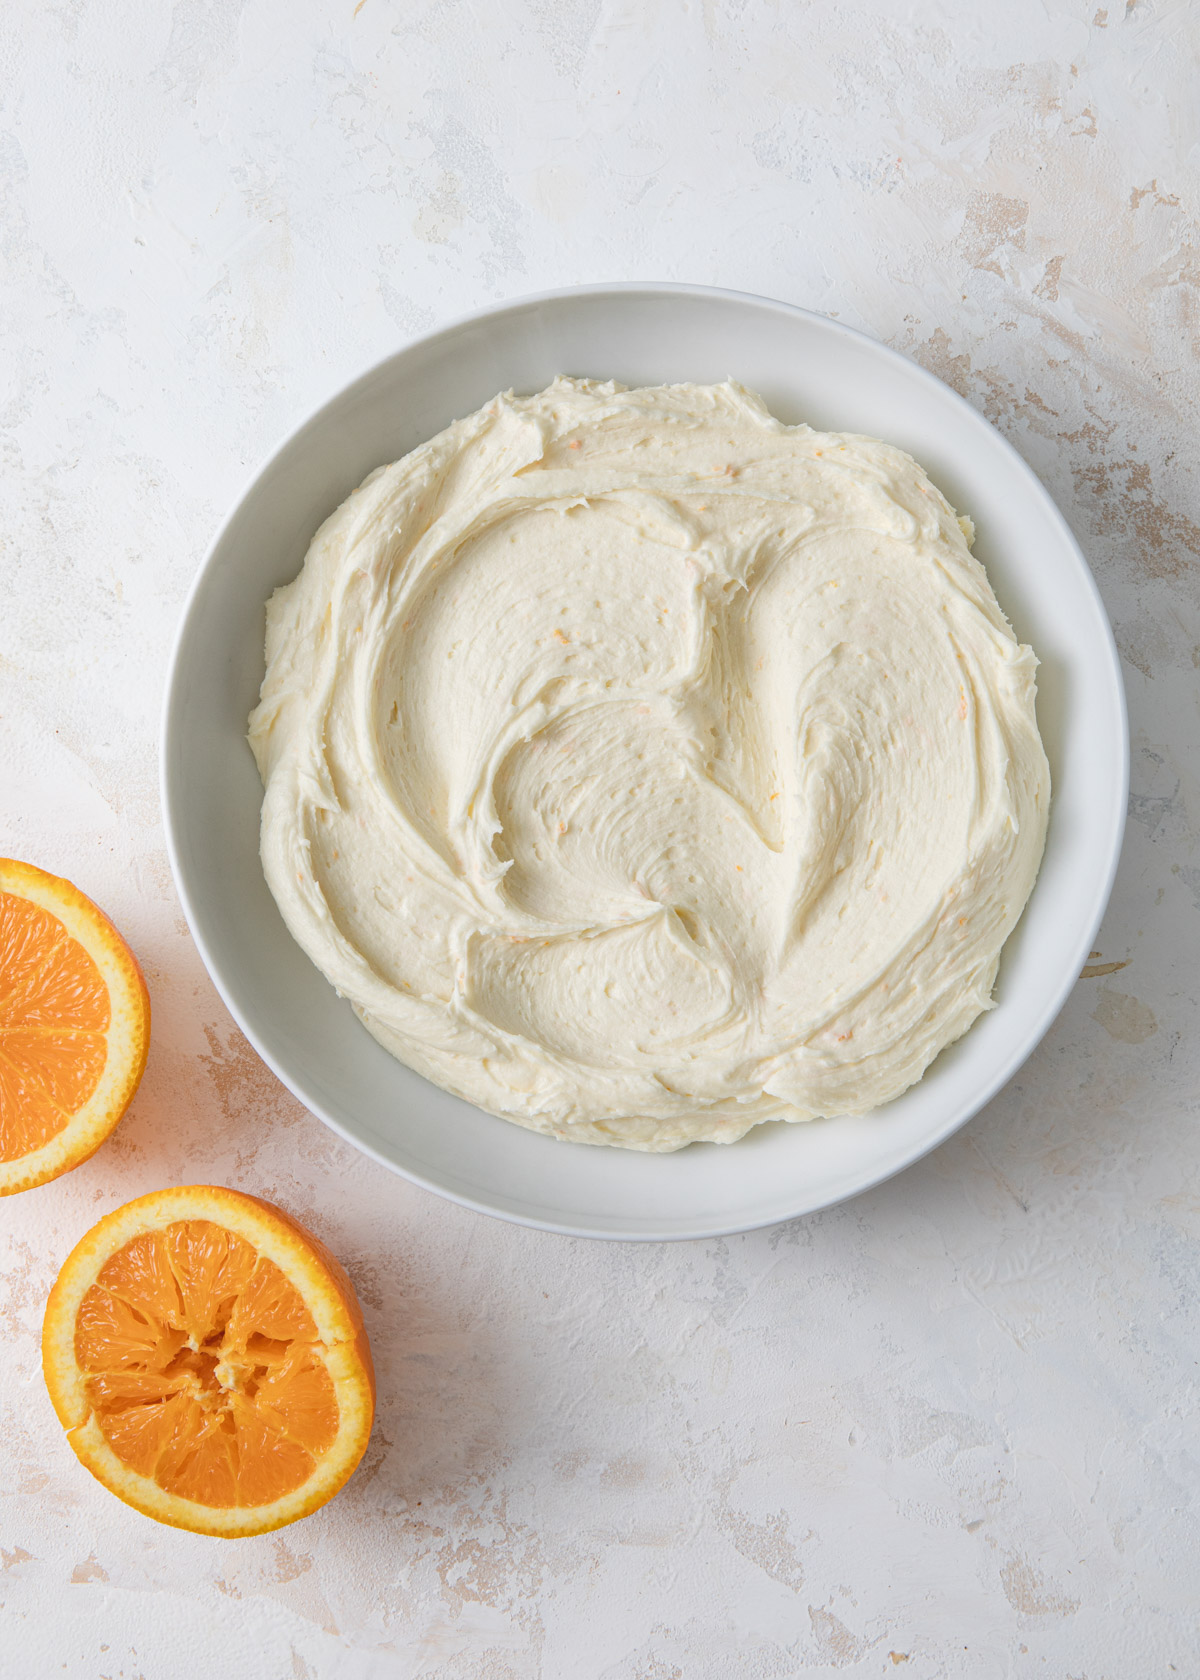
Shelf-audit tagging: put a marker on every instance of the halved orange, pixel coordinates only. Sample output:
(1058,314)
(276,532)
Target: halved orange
(207,1358)
(74,1026)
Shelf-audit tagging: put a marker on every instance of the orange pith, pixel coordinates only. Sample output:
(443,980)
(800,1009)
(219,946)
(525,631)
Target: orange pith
(74,1026)
(208,1358)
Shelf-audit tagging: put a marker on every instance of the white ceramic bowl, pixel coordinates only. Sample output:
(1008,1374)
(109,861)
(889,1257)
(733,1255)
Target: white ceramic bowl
(807,368)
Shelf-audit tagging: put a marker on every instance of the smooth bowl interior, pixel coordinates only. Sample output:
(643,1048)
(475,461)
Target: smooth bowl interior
(807,368)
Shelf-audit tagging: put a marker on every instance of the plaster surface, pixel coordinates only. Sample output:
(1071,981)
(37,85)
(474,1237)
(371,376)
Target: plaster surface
(947,1429)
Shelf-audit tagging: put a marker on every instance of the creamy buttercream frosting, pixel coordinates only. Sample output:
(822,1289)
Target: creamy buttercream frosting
(642,768)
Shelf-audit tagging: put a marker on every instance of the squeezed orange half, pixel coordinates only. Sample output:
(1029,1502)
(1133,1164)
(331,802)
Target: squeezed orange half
(207,1357)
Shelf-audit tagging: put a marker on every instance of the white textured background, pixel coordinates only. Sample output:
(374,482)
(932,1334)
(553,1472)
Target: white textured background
(946,1430)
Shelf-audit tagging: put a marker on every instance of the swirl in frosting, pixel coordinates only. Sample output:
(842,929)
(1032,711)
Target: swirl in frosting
(642,768)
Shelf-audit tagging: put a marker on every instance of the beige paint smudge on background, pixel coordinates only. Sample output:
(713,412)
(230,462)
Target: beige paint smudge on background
(1028,1592)
(1123,1017)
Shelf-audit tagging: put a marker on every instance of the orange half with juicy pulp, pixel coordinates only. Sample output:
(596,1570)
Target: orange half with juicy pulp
(207,1357)
(74,1026)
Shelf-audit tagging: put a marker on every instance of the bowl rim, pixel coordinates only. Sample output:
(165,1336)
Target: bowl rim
(871,1176)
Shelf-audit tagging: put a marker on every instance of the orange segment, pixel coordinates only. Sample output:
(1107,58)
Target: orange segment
(207,1357)
(74,1026)
(63,1067)
(49,978)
